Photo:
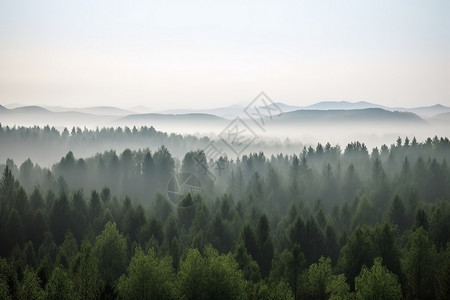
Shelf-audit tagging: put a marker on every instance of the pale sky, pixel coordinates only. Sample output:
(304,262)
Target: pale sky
(202,54)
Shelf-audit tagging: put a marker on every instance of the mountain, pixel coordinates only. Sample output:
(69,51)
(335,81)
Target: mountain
(427,111)
(95,110)
(29,109)
(342,105)
(368,115)
(424,112)
(227,112)
(13,105)
(441,119)
(36,115)
(327,105)
(205,119)
(190,117)
(443,116)
(283,107)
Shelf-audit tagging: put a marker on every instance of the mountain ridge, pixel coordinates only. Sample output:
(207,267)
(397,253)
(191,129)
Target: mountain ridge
(114,115)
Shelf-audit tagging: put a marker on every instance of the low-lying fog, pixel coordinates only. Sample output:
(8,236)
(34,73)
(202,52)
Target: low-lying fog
(234,138)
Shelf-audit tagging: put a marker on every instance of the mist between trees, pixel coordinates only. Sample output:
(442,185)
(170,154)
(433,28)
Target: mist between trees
(320,222)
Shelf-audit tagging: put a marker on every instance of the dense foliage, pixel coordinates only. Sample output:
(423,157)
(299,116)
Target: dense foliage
(324,223)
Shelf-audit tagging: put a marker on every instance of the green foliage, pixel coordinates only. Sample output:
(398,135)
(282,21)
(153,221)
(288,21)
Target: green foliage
(443,275)
(4,289)
(287,267)
(338,208)
(8,280)
(30,287)
(214,276)
(358,251)
(85,273)
(338,288)
(67,251)
(270,291)
(59,287)
(247,265)
(367,243)
(265,246)
(397,214)
(318,277)
(377,283)
(148,277)
(420,265)
(111,253)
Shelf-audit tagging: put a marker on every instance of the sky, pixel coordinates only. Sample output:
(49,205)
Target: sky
(204,54)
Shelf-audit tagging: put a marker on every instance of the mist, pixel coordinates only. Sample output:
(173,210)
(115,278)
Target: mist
(140,158)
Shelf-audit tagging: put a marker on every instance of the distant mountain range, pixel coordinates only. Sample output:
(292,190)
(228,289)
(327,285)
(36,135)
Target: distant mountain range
(95,110)
(368,115)
(36,115)
(424,112)
(342,105)
(328,112)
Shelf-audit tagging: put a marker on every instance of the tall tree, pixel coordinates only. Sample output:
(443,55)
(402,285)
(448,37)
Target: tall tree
(420,266)
(397,214)
(377,283)
(30,287)
(318,277)
(265,246)
(59,287)
(85,273)
(147,277)
(111,253)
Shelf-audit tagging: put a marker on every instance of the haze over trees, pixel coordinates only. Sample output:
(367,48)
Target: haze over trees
(321,222)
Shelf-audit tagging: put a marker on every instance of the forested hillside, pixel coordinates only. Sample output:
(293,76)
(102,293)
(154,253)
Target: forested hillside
(322,222)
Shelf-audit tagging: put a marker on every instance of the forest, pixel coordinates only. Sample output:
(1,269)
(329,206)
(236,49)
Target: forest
(321,222)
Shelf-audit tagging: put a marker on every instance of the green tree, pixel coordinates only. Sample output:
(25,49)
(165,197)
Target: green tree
(161,207)
(444,273)
(67,251)
(397,214)
(358,251)
(270,291)
(59,218)
(193,276)
(318,277)
(148,277)
(111,252)
(214,276)
(30,287)
(85,273)
(331,244)
(420,266)
(59,287)
(164,165)
(8,280)
(338,288)
(421,219)
(377,283)
(14,230)
(4,289)
(265,246)
(247,265)
(29,255)
(287,266)
(384,238)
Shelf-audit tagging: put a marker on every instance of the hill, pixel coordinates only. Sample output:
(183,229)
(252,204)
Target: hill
(36,115)
(369,115)
(342,105)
